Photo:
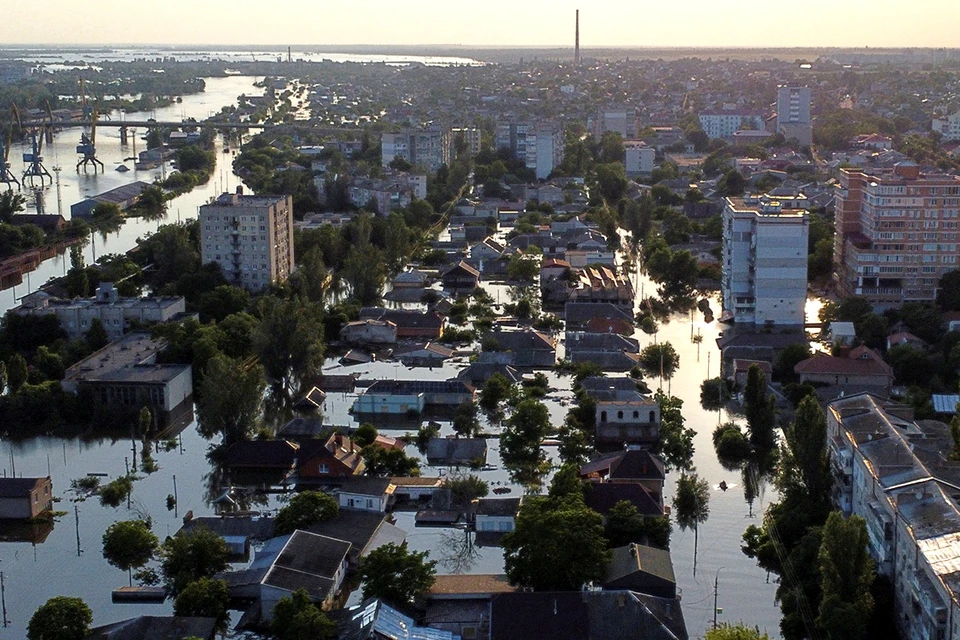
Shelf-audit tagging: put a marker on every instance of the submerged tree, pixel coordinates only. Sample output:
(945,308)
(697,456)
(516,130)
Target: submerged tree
(230,400)
(129,545)
(846,573)
(692,504)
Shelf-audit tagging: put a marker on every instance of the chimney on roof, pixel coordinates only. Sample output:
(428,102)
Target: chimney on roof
(239,189)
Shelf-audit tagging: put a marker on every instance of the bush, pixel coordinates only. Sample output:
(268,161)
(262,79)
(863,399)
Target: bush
(116,491)
(730,443)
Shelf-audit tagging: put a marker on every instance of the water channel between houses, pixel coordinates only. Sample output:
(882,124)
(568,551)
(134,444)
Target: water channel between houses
(47,563)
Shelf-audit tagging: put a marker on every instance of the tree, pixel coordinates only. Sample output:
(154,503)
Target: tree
(465,489)
(759,408)
(116,491)
(465,422)
(197,554)
(60,618)
(495,391)
(303,510)
(11,203)
(296,617)
(676,440)
(806,462)
(290,340)
(948,297)
(790,357)
(106,217)
(16,372)
(714,393)
(660,359)
(204,598)
(96,336)
(365,273)
(395,574)
(77,284)
(525,430)
(223,301)
(556,545)
(388,462)
(152,202)
(735,632)
(846,574)
(732,184)
(129,545)
(611,181)
(523,268)
(692,503)
(625,525)
(365,435)
(230,399)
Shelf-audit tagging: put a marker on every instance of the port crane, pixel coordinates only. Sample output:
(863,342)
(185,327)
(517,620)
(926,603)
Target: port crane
(6,175)
(34,159)
(88,145)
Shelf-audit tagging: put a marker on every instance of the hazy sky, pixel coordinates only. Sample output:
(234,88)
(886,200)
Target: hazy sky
(875,23)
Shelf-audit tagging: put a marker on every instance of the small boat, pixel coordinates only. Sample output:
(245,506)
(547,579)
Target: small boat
(123,168)
(502,490)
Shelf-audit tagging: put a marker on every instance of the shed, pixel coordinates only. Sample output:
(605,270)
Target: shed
(457,451)
(642,569)
(25,498)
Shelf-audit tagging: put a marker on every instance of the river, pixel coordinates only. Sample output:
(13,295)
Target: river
(75,186)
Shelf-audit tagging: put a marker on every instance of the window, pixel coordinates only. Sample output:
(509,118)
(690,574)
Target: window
(619,415)
(603,416)
(323,468)
(636,414)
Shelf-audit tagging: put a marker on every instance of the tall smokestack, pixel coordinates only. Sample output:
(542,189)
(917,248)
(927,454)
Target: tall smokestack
(576,48)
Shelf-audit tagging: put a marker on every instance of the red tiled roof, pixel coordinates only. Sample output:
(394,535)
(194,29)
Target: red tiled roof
(863,361)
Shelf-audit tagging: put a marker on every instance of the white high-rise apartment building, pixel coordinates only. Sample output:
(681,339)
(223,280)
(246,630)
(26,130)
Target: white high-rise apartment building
(724,123)
(540,146)
(764,262)
(250,237)
(793,105)
(428,147)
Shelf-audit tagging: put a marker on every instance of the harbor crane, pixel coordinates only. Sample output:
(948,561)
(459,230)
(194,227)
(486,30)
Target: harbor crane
(34,159)
(6,175)
(88,146)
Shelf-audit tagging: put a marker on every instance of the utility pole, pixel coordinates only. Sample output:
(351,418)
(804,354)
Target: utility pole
(3,599)
(716,594)
(57,170)
(176,505)
(76,515)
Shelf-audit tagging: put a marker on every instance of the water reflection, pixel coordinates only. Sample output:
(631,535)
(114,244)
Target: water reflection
(457,551)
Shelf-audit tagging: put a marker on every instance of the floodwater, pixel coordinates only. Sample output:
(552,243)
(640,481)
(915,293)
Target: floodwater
(76,186)
(35,570)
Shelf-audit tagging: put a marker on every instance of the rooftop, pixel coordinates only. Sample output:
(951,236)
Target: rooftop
(132,358)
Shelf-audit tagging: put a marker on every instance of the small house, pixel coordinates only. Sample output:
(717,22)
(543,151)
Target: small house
(741,368)
(301,560)
(629,465)
(156,627)
(642,569)
(369,332)
(366,493)
(429,354)
(460,277)
(237,531)
(457,451)
(496,515)
(25,498)
(603,496)
(863,368)
(373,619)
(337,457)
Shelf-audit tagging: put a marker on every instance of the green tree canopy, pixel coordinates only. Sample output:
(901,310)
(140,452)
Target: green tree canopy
(846,573)
(204,598)
(230,399)
(659,359)
(296,617)
(396,574)
(60,618)
(525,430)
(129,544)
(290,340)
(557,545)
(304,509)
(758,405)
(735,632)
(185,558)
(496,390)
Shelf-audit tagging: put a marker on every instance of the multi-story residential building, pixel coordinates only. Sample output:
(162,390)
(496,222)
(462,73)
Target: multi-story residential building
(892,472)
(764,261)
(250,237)
(639,158)
(427,147)
(793,113)
(723,123)
(471,139)
(540,146)
(896,233)
(619,119)
(948,126)
(115,313)
(391,192)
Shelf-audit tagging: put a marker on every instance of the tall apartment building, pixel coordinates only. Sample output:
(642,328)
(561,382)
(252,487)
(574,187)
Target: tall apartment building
(250,237)
(896,233)
(638,158)
(471,137)
(764,261)
(948,126)
(622,120)
(723,123)
(892,471)
(793,113)
(540,146)
(427,147)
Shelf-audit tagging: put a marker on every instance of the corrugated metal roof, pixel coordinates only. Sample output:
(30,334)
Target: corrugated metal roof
(945,403)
